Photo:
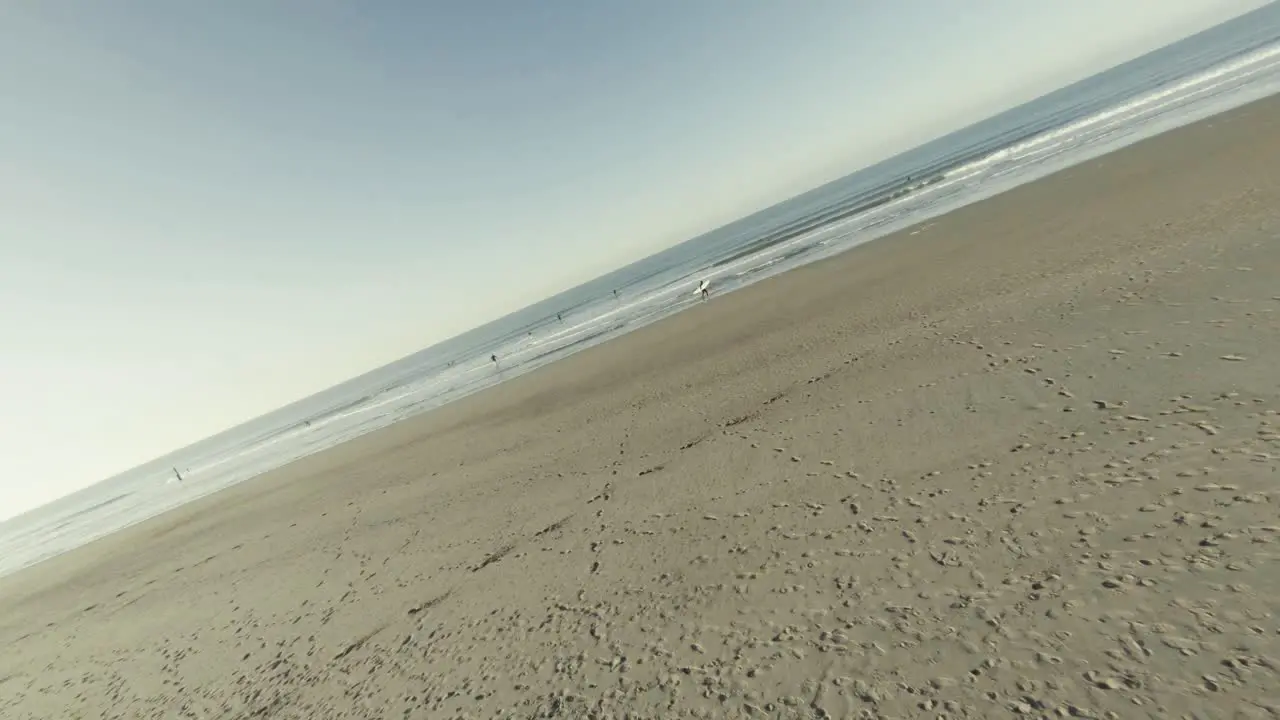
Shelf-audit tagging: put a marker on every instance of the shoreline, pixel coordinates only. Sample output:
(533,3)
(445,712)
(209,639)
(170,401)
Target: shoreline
(912,229)
(904,234)
(666,496)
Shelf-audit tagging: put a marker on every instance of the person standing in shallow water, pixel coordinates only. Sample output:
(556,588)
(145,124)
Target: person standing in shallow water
(494,358)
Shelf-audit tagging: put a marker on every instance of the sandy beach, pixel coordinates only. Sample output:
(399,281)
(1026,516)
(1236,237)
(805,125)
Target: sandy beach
(1020,461)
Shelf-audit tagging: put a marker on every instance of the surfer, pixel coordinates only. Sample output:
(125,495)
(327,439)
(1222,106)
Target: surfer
(177,474)
(559,318)
(704,289)
(494,358)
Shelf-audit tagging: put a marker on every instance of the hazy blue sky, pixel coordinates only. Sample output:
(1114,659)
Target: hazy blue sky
(209,209)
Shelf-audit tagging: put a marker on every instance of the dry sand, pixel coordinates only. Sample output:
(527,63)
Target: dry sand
(1022,462)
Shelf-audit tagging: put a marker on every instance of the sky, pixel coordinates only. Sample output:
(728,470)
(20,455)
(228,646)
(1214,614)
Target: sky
(209,210)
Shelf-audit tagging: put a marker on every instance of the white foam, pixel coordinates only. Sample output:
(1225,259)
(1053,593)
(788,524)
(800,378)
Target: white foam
(1236,71)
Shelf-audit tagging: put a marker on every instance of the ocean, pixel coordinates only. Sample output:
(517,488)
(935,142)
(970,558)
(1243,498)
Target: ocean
(1224,67)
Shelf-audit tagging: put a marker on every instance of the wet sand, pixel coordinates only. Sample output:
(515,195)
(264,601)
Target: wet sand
(1018,462)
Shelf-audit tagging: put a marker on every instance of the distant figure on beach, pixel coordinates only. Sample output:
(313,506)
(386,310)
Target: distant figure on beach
(559,318)
(704,289)
(177,474)
(494,358)
(615,292)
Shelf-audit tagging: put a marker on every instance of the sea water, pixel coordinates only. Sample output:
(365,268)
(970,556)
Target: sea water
(1219,69)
